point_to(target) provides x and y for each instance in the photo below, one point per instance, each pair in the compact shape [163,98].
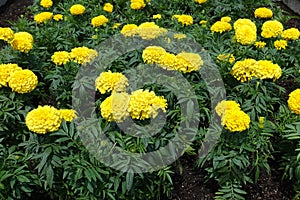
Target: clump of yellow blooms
[220,27]
[265,69]
[22,81]
[111,81]
[99,21]
[226,58]
[149,30]
[244,22]
[157,16]
[83,55]
[137,4]
[129,30]
[291,34]
[43,17]
[245,31]
[108,7]
[200,1]
[226,19]
[263,12]
[43,119]
[280,44]
[61,57]
[232,117]
[153,54]
[6,34]
[58,17]
[260,44]
[5,71]
[184,19]
[294,101]
[272,28]
[77,9]
[68,114]
[244,70]
[22,42]
[188,62]
[46,3]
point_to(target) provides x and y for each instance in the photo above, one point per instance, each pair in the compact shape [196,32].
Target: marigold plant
[77,9]
[111,81]
[294,101]
[22,42]
[22,81]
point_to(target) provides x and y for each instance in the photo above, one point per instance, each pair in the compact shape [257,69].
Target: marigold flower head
[280,44]
[291,34]
[260,44]
[220,27]
[188,62]
[111,81]
[6,34]
[294,101]
[245,35]
[184,19]
[263,12]
[46,3]
[149,30]
[83,55]
[5,71]
[271,28]
[244,70]
[226,58]
[226,19]
[43,119]
[153,54]
[77,9]
[58,17]
[43,17]
[168,61]
[200,1]
[22,41]
[68,114]
[137,4]
[61,57]
[226,106]
[236,121]
[22,81]
[265,69]
[157,16]
[99,21]
[244,22]
[129,30]
[108,7]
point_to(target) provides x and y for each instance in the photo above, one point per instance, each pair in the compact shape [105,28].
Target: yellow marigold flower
[294,101]
[46,3]
[149,30]
[261,122]
[260,44]
[265,69]
[289,34]
[188,62]
[111,81]
[226,19]
[99,21]
[22,41]
[115,107]
[5,71]
[226,106]
[58,17]
[83,55]
[116,25]
[226,58]
[236,121]
[6,34]
[263,12]
[137,4]
[108,7]
[145,104]
[244,70]
[200,1]
[153,54]
[184,19]
[68,114]
[179,36]
[168,61]
[77,9]
[244,22]
[220,27]
[61,57]
[272,28]
[129,30]
[43,17]
[22,81]
[157,16]
[245,35]
[43,119]
[280,44]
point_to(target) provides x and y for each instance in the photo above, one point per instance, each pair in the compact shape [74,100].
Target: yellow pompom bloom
[22,41]
[115,107]
[157,16]
[43,119]
[263,12]
[244,22]
[184,19]
[153,54]
[99,21]
[265,69]
[294,101]
[260,44]
[129,30]
[200,1]
[220,27]
[6,34]
[22,81]
[46,3]
[145,104]
[137,4]
[77,9]
[280,44]
[236,121]
[108,7]
[111,81]
[68,114]
[61,57]
[272,28]
[245,35]
[83,55]
[226,19]
[244,70]
[289,34]
[149,30]
[58,17]
[168,61]
[5,71]
[43,17]
[226,106]
[226,58]
[188,62]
